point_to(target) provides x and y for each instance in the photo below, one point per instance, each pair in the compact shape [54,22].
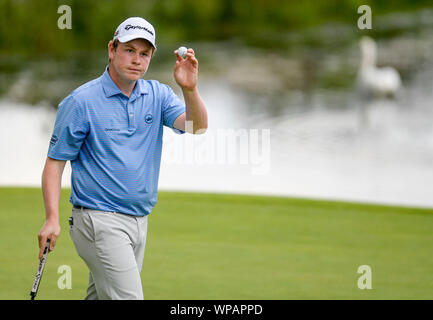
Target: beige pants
[112,245]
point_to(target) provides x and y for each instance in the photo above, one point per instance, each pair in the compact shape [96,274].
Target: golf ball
[182,52]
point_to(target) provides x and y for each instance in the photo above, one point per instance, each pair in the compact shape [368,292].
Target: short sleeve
[70,130]
[172,108]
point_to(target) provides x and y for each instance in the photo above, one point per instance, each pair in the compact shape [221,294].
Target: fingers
[50,231]
[178,57]
[43,244]
[193,59]
[53,241]
[190,54]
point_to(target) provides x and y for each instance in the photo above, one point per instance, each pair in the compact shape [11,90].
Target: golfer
[110,129]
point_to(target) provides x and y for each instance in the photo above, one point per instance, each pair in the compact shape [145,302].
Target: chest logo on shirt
[148,118]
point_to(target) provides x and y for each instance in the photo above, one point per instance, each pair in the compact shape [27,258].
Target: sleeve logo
[53,140]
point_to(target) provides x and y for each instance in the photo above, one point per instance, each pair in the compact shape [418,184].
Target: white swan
[373,81]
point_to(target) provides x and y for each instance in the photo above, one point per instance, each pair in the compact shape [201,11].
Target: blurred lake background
[284,66]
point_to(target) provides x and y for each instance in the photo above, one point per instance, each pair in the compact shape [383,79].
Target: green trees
[30,26]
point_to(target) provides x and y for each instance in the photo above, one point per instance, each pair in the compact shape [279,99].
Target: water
[324,141]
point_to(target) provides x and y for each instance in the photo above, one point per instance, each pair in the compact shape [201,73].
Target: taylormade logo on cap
[135,28]
[138,27]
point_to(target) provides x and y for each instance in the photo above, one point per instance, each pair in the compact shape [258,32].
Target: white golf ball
[182,52]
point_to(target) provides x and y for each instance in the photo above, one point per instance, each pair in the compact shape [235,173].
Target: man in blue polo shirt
[110,129]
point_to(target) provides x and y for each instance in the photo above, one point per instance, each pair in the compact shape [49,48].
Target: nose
[136,59]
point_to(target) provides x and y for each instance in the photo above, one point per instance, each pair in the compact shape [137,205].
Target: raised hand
[186,70]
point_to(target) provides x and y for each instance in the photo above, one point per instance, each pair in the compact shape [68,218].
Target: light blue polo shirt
[114,143]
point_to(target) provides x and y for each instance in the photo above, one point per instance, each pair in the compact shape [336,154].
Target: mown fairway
[206,246]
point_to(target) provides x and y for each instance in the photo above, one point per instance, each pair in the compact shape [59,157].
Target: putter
[39,272]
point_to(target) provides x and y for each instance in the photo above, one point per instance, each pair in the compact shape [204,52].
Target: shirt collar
[111,89]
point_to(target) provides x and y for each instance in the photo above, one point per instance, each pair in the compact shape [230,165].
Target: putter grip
[40,271]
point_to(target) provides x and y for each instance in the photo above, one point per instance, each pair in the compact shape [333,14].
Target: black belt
[81,207]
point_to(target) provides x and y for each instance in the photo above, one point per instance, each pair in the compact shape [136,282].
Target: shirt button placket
[131,118]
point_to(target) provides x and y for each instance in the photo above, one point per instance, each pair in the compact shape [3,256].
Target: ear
[111,50]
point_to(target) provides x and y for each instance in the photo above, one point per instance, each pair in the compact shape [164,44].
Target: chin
[135,77]
[132,77]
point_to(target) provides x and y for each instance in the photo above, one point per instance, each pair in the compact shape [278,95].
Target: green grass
[206,246]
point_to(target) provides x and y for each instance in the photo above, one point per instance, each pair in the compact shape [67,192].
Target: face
[131,59]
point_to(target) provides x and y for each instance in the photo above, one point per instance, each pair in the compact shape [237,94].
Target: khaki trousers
[112,245]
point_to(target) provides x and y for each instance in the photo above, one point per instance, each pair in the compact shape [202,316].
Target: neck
[125,86]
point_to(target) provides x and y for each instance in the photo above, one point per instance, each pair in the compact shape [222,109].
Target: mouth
[134,70]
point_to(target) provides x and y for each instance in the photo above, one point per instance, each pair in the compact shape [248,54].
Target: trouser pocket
[81,231]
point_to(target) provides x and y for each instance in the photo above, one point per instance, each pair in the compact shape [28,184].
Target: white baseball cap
[134,28]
